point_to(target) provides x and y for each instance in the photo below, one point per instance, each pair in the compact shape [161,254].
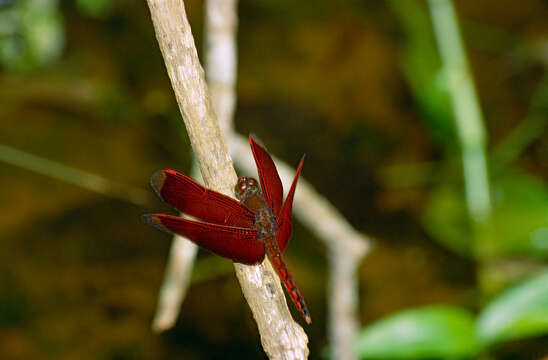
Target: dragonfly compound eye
[252,184]
[241,186]
[245,188]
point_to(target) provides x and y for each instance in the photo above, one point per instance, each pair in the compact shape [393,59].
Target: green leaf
[446,219]
[95,8]
[429,332]
[422,67]
[519,219]
[518,224]
[518,313]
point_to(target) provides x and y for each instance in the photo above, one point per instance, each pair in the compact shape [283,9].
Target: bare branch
[220,57]
[175,284]
[343,303]
[281,337]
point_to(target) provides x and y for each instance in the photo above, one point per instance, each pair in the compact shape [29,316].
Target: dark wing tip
[155,221]
[302,160]
[157,181]
[254,140]
[151,219]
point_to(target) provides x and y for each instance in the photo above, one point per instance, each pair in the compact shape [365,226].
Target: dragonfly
[243,231]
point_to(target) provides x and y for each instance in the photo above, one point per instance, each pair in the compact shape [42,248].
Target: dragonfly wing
[236,243]
[284,217]
[271,185]
[189,197]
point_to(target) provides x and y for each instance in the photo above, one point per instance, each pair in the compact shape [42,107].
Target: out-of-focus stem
[528,130]
[74,176]
[221,58]
[343,302]
[466,108]
[175,284]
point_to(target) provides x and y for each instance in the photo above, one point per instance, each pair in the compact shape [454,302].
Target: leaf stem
[466,108]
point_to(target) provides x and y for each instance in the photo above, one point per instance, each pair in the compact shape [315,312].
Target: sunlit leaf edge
[428,332]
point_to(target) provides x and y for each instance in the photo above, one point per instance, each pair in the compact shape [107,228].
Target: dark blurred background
[359,87]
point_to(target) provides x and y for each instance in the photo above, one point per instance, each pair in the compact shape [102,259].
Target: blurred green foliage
[95,8]
[453,333]
[518,198]
[517,225]
[520,202]
[421,65]
[32,34]
[446,218]
[517,313]
[430,332]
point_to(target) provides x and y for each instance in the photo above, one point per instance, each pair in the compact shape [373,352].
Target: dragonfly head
[246,187]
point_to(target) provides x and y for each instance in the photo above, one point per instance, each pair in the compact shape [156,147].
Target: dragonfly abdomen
[273,251]
[266,226]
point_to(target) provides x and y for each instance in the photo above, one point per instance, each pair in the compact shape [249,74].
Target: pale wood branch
[220,59]
[343,323]
[175,284]
[281,337]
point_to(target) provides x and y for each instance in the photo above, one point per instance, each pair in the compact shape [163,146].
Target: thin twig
[281,337]
[527,131]
[74,176]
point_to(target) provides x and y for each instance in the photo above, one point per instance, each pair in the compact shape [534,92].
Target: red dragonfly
[241,231]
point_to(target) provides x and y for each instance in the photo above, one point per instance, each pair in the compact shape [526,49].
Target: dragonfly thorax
[248,192]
